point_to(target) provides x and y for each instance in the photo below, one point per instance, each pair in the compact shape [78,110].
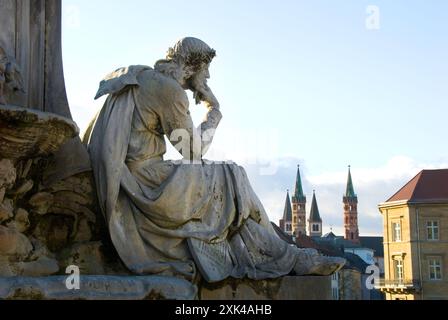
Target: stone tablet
[214,260]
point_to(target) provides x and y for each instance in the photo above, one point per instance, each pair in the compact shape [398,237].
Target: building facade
[415,222]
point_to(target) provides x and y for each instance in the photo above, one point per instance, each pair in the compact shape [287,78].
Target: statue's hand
[203,93]
[208,98]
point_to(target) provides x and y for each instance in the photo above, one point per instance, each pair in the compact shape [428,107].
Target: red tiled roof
[427,186]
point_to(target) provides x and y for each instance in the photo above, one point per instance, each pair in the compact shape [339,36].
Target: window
[295,219]
[398,268]
[316,227]
[288,227]
[432,230]
[435,269]
[396,231]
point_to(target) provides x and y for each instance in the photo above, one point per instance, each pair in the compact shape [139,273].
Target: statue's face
[198,81]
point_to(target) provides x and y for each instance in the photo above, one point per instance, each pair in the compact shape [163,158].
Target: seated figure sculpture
[175,217]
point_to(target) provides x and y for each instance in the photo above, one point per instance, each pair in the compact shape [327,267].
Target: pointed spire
[298,192]
[314,213]
[350,191]
[287,213]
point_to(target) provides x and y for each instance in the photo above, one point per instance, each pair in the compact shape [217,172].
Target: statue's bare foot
[310,262]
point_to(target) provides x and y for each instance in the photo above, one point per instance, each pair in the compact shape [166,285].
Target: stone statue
[174,217]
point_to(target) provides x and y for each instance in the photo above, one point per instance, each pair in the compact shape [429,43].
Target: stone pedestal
[164,288]
[98,288]
[286,288]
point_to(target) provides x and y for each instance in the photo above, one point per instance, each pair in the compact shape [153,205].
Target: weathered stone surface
[87,256]
[53,231]
[84,231]
[5,267]
[21,222]
[41,202]
[285,288]
[213,260]
[26,133]
[6,210]
[74,197]
[7,174]
[13,243]
[23,188]
[98,288]
[41,267]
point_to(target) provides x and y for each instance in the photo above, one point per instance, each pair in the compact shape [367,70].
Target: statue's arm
[208,127]
[203,94]
[178,125]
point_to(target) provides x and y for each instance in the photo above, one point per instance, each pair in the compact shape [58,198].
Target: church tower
[351,211]
[315,222]
[298,208]
[286,221]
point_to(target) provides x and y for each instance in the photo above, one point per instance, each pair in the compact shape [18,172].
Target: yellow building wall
[415,249]
[433,289]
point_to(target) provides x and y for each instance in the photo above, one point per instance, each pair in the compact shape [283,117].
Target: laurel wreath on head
[194,58]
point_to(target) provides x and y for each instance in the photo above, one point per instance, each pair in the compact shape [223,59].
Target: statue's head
[188,62]
[192,52]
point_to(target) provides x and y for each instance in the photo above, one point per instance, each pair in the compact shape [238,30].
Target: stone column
[30,32]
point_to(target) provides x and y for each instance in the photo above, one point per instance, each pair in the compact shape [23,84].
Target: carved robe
[164,216]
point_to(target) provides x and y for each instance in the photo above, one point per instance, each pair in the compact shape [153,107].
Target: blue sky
[298,81]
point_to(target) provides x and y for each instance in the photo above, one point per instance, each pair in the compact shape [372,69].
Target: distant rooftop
[332,245]
[329,235]
[375,243]
[314,212]
[427,186]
